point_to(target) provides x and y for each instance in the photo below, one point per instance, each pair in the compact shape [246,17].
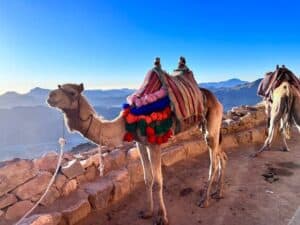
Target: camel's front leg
[160,209]
[148,178]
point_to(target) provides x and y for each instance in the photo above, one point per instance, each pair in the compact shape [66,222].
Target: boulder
[15,173]
[43,219]
[47,162]
[69,187]
[17,210]
[173,154]
[33,187]
[194,148]
[100,193]
[114,160]
[50,197]
[136,173]
[121,181]
[60,180]
[72,169]
[77,212]
[91,173]
[7,200]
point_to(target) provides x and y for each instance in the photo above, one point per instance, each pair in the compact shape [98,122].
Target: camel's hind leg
[148,178]
[221,175]
[159,205]
[212,137]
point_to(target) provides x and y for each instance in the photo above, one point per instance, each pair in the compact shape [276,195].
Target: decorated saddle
[273,79]
[164,105]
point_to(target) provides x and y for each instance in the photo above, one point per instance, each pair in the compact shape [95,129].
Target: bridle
[77,110]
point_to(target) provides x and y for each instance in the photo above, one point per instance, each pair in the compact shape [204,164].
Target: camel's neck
[90,125]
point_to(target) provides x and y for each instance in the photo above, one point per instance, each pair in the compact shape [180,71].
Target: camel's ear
[81,87]
[59,86]
[277,67]
[283,66]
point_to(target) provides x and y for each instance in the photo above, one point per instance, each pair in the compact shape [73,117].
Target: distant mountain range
[222,84]
[29,127]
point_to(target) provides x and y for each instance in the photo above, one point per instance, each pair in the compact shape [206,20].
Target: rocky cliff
[78,188]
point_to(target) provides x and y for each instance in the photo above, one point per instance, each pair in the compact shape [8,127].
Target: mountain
[222,84]
[243,94]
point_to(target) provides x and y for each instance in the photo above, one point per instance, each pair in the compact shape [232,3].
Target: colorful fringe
[153,120]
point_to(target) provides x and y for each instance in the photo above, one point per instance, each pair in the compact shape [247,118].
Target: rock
[121,181]
[72,169]
[259,135]
[114,160]
[195,148]
[17,210]
[229,141]
[95,159]
[86,162]
[69,187]
[100,193]
[51,196]
[81,179]
[43,219]
[1,213]
[14,173]
[244,137]
[60,180]
[136,173]
[77,212]
[47,162]
[133,154]
[173,154]
[91,173]
[7,200]
[33,187]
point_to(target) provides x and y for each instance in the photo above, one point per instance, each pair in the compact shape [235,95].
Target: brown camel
[283,112]
[81,117]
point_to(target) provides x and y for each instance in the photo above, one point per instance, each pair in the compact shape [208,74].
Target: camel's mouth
[52,103]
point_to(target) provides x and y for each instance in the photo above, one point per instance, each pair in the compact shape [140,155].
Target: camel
[283,111]
[81,117]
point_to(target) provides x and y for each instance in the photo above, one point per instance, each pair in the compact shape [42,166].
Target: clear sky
[112,44]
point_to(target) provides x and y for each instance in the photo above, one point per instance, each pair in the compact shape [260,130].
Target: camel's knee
[210,141]
[157,186]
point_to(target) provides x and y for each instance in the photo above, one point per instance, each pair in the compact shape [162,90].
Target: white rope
[101,164]
[62,143]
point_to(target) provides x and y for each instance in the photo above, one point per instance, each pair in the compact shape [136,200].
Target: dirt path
[249,198]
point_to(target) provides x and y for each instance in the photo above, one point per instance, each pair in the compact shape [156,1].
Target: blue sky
[112,44]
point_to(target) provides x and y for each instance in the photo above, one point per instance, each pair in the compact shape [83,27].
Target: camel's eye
[72,93]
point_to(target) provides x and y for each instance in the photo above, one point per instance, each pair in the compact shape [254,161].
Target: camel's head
[66,96]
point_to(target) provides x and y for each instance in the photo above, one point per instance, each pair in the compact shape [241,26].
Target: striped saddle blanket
[183,91]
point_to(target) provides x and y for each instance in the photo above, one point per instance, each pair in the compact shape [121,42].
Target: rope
[101,164]
[62,143]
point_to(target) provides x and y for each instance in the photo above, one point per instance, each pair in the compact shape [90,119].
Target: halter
[71,98]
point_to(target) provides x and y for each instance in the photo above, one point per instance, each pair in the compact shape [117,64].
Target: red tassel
[159,140]
[128,137]
[150,131]
[151,139]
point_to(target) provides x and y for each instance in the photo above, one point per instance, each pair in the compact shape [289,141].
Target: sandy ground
[249,198]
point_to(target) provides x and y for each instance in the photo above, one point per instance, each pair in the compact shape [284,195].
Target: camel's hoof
[161,221]
[203,203]
[254,155]
[284,149]
[217,195]
[145,215]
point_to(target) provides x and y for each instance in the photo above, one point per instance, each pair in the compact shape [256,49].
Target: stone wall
[78,188]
